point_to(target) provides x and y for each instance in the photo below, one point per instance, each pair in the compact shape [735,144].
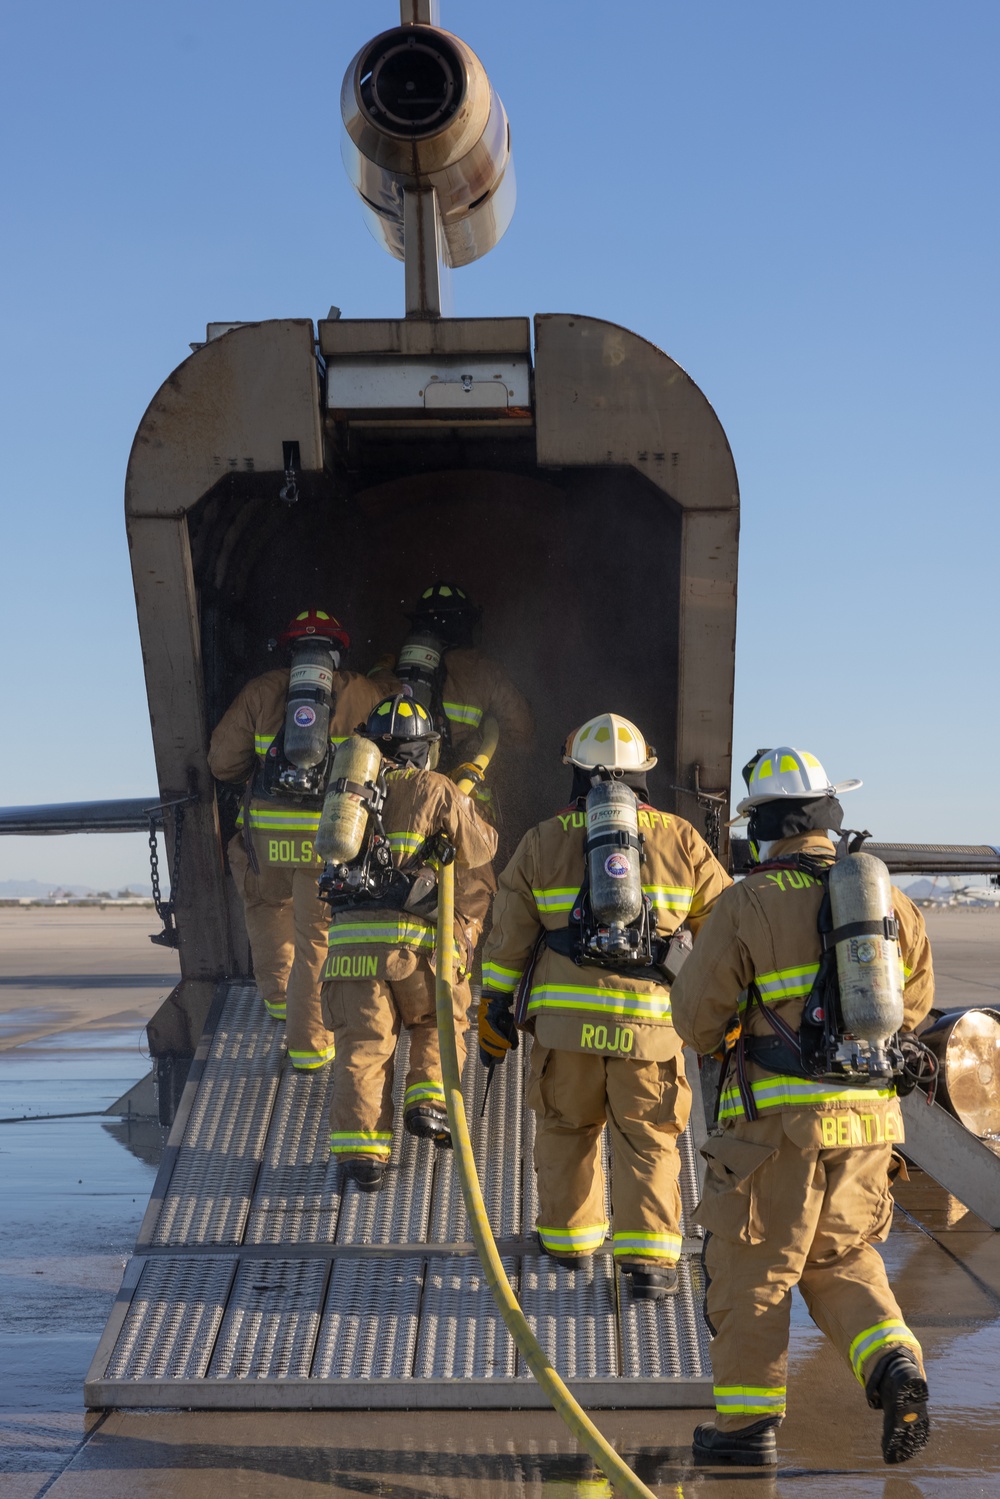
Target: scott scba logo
[595,1038]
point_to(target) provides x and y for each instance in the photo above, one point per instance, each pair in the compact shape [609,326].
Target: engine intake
[420,113]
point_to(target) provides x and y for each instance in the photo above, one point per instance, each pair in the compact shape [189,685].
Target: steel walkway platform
[258,1281]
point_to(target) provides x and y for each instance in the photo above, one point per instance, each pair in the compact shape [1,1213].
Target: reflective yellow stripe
[649,1006]
[262,742]
[361,1142]
[787,983]
[663,1246]
[396,932]
[675,898]
[424,1092]
[281,821]
[795,983]
[749,1400]
[793,1092]
[874,1338]
[308,1061]
[403,844]
[556,899]
[504,980]
[578,1240]
[464,713]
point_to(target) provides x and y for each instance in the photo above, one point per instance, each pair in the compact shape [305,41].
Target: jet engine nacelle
[420,112]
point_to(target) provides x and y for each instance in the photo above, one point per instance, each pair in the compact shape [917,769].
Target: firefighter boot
[652,1282]
[428,1123]
[364,1171]
[898,1389]
[753,1447]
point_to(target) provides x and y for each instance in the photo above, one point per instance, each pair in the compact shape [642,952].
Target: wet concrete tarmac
[966,946]
[75,1190]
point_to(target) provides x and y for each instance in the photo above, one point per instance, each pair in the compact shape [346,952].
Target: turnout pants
[366,1016]
[645,1106]
[782,1213]
[287,925]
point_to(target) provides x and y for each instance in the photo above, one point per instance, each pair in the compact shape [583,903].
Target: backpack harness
[372,881]
[814,1050]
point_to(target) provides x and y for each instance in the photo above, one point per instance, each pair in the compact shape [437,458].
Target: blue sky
[797,202]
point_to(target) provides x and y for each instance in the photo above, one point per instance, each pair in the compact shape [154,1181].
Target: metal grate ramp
[259,1282]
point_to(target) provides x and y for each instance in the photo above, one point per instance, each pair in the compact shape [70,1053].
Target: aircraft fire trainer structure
[285,461]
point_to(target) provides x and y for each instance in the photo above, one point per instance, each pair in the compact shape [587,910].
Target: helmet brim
[749,802]
[430,738]
[333,638]
[587,765]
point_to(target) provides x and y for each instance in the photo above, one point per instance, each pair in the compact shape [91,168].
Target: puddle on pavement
[484,1455]
[30,1018]
[116,1033]
[75,1192]
[87,981]
[73,1071]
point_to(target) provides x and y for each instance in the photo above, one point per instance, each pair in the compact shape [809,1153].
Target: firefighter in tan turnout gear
[457,684]
[380,973]
[298,710]
[581,924]
[797,1188]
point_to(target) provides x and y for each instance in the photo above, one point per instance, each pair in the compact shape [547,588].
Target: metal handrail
[122,815]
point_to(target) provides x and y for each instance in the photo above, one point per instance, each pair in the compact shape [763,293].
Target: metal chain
[712,808]
[713,823]
[166,909]
[154,868]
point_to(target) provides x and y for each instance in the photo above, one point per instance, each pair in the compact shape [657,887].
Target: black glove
[497,1031]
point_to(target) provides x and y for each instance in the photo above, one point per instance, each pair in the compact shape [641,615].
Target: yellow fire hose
[618,1472]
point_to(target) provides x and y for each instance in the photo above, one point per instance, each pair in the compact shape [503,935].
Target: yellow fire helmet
[610,741]
[789,772]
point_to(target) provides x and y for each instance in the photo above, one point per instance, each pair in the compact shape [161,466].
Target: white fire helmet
[610,741]
[789,772]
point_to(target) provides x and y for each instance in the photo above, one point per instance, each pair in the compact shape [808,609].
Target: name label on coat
[605,1039]
[636,1042]
[343,965]
[861,1129]
[287,852]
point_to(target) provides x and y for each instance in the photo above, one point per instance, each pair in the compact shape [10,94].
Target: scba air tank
[613,854]
[345,811]
[869,973]
[419,664]
[307,711]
